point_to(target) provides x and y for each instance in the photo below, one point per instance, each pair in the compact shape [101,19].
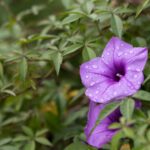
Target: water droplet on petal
[130,51]
[92,83]
[97,92]
[86,76]
[94,66]
[115,93]
[86,67]
[135,76]
[119,54]
[117,47]
[90,95]
[138,69]
[129,68]
[108,53]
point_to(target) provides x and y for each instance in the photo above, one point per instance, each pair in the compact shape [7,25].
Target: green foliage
[42,44]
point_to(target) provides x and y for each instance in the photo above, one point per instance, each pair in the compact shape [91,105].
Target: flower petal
[101,135]
[96,92]
[119,90]
[135,79]
[93,72]
[138,60]
[115,50]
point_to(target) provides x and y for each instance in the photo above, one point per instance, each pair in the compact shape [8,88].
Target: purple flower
[102,134]
[115,75]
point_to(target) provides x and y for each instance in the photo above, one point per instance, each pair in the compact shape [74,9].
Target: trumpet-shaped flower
[102,134]
[116,74]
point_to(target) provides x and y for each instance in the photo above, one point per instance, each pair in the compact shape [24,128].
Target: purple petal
[101,135]
[93,72]
[116,50]
[135,79]
[117,74]
[96,92]
[138,60]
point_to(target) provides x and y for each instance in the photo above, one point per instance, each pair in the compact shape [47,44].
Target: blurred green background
[42,44]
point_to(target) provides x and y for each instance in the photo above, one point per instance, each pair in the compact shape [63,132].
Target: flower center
[119,72]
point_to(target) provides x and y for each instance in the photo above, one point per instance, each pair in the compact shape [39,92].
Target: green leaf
[44,141]
[115,125]
[57,60]
[9,148]
[108,109]
[141,7]
[116,25]
[28,131]
[41,132]
[142,95]
[115,140]
[5,141]
[23,67]
[147,79]
[20,138]
[88,54]
[127,108]
[9,92]
[1,70]
[71,18]
[88,7]
[77,146]
[128,132]
[30,146]
[71,49]
[67,3]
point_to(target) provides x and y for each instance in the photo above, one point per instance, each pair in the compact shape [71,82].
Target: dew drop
[108,53]
[86,67]
[135,76]
[117,47]
[97,92]
[130,51]
[86,76]
[92,83]
[115,93]
[119,54]
[138,69]
[129,68]
[89,94]
[94,66]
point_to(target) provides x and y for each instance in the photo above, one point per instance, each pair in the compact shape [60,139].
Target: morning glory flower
[102,134]
[116,74]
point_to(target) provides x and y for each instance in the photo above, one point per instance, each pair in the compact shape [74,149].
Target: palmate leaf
[77,146]
[88,53]
[115,140]
[43,141]
[71,18]
[142,7]
[1,71]
[57,60]
[30,146]
[116,25]
[127,108]
[142,95]
[23,67]
[71,49]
